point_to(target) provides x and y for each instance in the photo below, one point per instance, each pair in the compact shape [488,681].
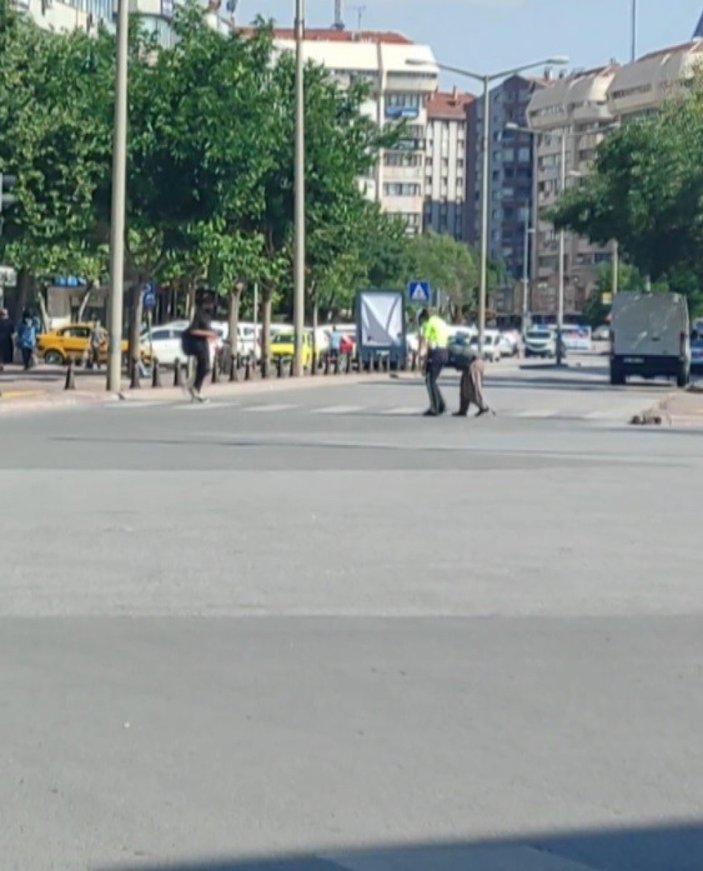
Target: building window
[401,189]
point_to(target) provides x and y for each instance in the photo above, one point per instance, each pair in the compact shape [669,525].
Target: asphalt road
[315,630]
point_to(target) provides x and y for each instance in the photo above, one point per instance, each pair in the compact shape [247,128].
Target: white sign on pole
[381,319]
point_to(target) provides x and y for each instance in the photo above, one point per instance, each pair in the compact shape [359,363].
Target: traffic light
[7,183]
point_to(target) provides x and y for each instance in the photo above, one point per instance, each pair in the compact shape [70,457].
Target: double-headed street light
[486,81]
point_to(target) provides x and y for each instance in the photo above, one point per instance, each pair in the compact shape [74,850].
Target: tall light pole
[633,25]
[529,231]
[117,221]
[299,257]
[562,254]
[486,81]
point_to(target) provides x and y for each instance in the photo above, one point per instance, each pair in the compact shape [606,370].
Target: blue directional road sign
[149,299]
[419,291]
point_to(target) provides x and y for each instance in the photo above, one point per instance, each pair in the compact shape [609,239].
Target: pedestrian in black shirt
[196,344]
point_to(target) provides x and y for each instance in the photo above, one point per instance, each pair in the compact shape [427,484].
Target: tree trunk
[315,319]
[46,320]
[266,302]
[135,328]
[84,303]
[235,298]
[24,291]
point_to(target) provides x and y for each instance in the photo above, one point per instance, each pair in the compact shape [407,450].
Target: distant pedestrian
[434,342]
[27,330]
[196,343]
[97,340]
[6,345]
[335,343]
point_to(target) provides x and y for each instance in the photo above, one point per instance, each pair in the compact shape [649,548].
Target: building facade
[446,163]
[510,181]
[572,109]
[403,77]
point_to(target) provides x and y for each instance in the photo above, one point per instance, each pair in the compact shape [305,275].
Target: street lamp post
[529,231]
[299,256]
[562,255]
[117,222]
[486,81]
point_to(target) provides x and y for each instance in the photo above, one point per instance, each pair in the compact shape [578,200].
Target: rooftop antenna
[359,16]
[338,20]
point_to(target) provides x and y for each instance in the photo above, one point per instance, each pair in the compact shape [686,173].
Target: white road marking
[402,411]
[269,409]
[137,403]
[541,413]
[202,406]
[338,409]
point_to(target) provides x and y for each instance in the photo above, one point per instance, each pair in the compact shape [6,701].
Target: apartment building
[576,108]
[446,162]
[640,88]
[510,173]
[403,78]
[63,16]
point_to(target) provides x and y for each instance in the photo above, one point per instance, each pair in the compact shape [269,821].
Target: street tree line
[210,194]
[646,191]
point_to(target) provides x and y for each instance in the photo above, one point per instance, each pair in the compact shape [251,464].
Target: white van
[650,337]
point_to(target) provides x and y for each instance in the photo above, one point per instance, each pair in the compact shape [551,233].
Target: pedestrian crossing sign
[419,291]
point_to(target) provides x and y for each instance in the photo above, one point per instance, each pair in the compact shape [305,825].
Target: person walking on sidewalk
[6,345]
[97,340]
[27,330]
[196,343]
[434,341]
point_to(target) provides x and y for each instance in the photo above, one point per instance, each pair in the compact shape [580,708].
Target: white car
[509,343]
[540,343]
[164,342]
[491,345]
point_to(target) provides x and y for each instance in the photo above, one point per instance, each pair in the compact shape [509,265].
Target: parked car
[509,343]
[540,343]
[165,342]
[283,346]
[651,337]
[491,345]
[601,334]
[70,342]
[697,353]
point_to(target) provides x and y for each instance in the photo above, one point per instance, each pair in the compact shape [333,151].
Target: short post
[134,381]
[70,376]
[292,367]
[336,365]
[177,373]
[247,370]
[327,364]
[216,370]
[155,373]
[313,365]
[349,364]
[279,367]
[233,369]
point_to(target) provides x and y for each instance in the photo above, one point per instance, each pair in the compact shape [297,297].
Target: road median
[681,409]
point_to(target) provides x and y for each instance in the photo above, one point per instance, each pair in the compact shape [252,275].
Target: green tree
[450,266]
[646,191]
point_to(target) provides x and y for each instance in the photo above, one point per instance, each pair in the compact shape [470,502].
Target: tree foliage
[646,191]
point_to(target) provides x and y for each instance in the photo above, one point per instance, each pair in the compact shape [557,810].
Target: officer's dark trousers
[436,361]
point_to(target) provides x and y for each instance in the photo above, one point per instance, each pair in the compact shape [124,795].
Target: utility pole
[299,265]
[633,46]
[562,254]
[485,192]
[117,223]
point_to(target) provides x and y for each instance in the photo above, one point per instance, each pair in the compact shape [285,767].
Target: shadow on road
[673,847]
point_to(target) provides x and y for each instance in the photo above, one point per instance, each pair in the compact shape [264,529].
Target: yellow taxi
[71,342]
[283,345]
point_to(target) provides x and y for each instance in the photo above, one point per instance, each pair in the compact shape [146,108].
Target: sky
[491,35]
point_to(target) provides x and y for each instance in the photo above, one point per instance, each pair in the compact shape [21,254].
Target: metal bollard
[215,372]
[279,367]
[70,377]
[348,364]
[414,362]
[155,373]
[177,373]
[247,370]
[327,364]
[386,363]
[336,365]
[313,364]
[291,369]
[233,369]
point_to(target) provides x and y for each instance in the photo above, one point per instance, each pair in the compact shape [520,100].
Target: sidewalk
[43,388]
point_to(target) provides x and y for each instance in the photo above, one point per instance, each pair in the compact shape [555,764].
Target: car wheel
[54,358]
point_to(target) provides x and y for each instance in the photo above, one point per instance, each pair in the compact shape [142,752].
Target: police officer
[434,340]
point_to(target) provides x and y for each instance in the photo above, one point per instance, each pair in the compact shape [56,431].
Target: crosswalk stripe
[269,409]
[402,411]
[202,406]
[135,403]
[339,409]
[541,413]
